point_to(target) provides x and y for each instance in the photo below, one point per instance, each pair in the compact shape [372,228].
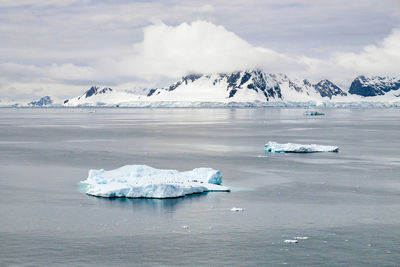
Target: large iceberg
[141,181]
[298,148]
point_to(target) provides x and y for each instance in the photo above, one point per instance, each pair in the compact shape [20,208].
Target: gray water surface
[346,203]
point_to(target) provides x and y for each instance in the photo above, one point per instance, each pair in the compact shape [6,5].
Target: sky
[61,48]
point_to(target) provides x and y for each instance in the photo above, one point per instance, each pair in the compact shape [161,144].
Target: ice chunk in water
[141,181]
[298,148]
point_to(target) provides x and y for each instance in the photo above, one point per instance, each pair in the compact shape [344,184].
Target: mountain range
[241,88]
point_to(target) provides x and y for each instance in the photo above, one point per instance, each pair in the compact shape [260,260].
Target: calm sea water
[346,203]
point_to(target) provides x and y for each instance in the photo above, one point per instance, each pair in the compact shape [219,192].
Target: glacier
[298,148]
[141,181]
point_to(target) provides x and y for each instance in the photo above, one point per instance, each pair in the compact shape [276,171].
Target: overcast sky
[60,48]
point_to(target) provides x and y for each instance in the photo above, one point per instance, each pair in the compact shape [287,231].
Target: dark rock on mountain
[94,90]
[44,101]
[253,80]
[151,92]
[184,80]
[373,86]
[328,89]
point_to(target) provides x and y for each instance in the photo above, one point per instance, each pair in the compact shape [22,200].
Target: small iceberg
[292,241]
[301,237]
[141,181]
[298,148]
[313,113]
[236,209]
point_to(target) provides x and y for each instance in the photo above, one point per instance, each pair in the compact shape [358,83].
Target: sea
[343,209]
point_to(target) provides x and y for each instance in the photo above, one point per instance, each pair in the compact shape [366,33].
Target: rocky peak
[184,80]
[44,101]
[94,90]
[327,88]
[374,85]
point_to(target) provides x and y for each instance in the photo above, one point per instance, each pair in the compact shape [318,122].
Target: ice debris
[141,181]
[313,113]
[292,241]
[301,237]
[236,209]
[298,148]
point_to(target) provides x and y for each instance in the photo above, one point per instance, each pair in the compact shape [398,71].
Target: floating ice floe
[313,113]
[301,237]
[298,148]
[236,209]
[291,241]
[141,181]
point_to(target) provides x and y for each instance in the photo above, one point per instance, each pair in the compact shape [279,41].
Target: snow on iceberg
[141,181]
[298,148]
[301,238]
[236,209]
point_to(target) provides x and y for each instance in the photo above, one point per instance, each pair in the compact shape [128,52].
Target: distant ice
[313,113]
[237,209]
[301,237]
[89,140]
[17,142]
[141,181]
[298,148]
[291,241]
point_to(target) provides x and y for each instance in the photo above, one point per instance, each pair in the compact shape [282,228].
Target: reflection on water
[147,205]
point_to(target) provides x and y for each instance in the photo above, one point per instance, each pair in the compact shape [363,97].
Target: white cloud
[168,52]
[199,47]
[203,47]
[54,72]
[70,72]
[381,59]
[28,91]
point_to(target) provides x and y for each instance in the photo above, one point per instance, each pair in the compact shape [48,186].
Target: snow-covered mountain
[101,97]
[374,86]
[243,88]
[42,102]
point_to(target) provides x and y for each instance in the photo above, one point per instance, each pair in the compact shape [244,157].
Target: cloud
[199,47]
[167,52]
[380,59]
[54,72]
[164,54]
[70,72]
[203,47]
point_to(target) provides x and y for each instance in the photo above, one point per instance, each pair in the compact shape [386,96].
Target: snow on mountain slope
[101,97]
[242,88]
